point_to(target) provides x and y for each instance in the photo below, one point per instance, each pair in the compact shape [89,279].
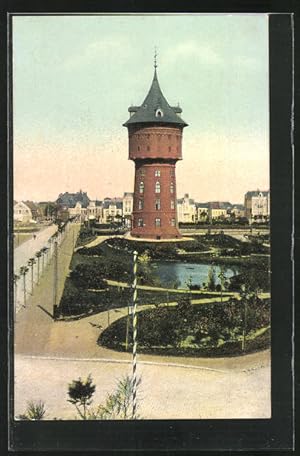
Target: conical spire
[155,108]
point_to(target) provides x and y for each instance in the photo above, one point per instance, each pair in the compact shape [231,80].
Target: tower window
[157,187]
[140,222]
[172,187]
[172,204]
[141,204]
[157,173]
[142,186]
[159,113]
[157,204]
[173,222]
[157,222]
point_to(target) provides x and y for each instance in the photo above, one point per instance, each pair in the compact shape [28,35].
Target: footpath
[34,323]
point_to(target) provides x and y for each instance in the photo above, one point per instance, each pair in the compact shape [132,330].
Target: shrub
[35,411]
[88,276]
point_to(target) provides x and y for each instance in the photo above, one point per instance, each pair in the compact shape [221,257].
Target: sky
[74,78]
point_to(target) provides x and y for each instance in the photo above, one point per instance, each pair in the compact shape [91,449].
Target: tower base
[173,233]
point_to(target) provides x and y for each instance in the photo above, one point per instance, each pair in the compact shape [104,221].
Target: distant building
[70,199]
[257,205]
[202,212]
[112,210]
[218,210]
[26,212]
[186,209]
[237,211]
[127,208]
[22,212]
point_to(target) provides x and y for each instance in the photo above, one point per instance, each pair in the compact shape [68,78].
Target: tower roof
[155,108]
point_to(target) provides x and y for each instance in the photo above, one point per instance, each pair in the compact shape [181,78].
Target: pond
[182,274]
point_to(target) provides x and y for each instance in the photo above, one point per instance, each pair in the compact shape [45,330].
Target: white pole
[134,344]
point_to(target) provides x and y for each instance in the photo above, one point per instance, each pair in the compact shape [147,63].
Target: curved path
[49,355]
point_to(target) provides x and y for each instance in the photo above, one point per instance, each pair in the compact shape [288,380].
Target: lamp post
[244,296]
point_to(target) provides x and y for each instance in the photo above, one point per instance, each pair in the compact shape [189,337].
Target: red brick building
[155,138]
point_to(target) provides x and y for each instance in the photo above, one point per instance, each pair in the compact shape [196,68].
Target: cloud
[204,53]
[100,49]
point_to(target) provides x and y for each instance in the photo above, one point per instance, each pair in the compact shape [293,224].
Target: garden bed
[208,330]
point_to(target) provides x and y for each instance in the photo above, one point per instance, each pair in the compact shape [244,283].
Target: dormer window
[159,113]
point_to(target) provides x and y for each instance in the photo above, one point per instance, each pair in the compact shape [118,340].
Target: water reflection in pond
[180,273]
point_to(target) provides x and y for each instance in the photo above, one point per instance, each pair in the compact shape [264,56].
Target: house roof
[181,200]
[219,205]
[202,205]
[256,193]
[155,109]
[32,206]
[70,199]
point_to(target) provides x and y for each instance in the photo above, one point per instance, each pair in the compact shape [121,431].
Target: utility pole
[55,278]
[134,342]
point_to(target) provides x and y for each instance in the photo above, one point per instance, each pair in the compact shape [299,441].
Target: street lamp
[244,296]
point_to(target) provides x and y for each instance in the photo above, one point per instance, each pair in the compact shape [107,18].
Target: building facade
[257,205]
[186,210]
[155,141]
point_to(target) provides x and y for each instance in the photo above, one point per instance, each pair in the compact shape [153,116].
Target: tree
[23,272]
[80,393]
[31,263]
[35,411]
[118,405]
[43,251]
[211,279]
[38,256]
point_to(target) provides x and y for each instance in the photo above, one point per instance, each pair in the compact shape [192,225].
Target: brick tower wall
[155,151]
[154,205]
[155,142]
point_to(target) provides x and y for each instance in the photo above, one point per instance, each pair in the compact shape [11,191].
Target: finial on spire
[155,57]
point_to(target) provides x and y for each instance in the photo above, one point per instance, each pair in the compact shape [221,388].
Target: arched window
[157,222]
[157,173]
[142,186]
[141,204]
[172,204]
[157,204]
[140,222]
[172,187]
[159,113]
[157,187]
